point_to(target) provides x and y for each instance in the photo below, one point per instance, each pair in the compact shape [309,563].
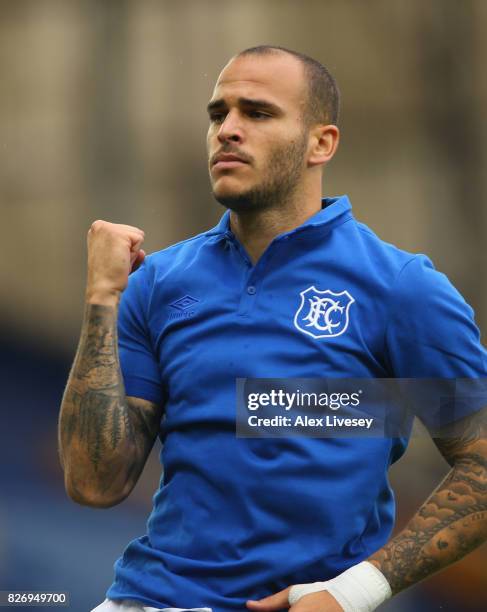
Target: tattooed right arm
[104,437]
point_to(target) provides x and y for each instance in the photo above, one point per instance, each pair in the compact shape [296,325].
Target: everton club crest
[323,314]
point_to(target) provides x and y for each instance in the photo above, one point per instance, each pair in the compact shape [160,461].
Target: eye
[217,117]
[256,114]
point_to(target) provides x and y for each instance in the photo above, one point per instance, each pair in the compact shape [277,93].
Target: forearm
[102,438]
[451,523]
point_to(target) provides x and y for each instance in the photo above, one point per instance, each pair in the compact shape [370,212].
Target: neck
[257,229]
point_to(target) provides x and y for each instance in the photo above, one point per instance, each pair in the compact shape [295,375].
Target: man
[239,523]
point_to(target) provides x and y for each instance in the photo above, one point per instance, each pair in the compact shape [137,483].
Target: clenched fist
[113,252]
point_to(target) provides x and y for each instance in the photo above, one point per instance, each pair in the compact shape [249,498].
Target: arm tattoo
[104,437]
[453,521]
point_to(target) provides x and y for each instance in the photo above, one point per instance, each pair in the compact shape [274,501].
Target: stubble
[283,173]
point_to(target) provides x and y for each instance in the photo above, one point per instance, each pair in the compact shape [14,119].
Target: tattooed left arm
[453,521]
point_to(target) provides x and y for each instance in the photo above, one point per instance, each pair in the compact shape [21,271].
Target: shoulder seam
[389,307]
[363,228]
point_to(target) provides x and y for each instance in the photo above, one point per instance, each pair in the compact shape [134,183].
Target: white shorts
[130,605]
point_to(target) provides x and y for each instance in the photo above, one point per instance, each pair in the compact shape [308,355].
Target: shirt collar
[332,209]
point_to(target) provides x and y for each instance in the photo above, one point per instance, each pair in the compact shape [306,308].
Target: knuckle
[97,225]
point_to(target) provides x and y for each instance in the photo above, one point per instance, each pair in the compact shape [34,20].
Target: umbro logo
[183,307]
[184,303]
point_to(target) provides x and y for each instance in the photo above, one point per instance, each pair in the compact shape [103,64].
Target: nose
[230,130]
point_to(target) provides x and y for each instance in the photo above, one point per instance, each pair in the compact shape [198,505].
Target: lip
[226,164]
[228,160]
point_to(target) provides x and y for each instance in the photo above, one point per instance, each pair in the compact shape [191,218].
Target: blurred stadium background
[102,114]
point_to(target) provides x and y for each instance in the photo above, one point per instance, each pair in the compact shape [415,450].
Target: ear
[324,143]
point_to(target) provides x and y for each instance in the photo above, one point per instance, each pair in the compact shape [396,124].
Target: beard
[283,172]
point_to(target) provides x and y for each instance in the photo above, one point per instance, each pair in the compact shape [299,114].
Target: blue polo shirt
[234,518]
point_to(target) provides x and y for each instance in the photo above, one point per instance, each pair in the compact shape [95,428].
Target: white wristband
[361,588]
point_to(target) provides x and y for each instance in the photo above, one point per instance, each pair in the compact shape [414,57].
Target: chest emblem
[323,314]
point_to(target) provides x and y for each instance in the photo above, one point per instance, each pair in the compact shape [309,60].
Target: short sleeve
[137,359]
[431,332]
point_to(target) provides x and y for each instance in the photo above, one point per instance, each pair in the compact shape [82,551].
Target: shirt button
[251,290]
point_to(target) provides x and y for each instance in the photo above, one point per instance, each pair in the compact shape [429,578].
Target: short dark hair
[323,95]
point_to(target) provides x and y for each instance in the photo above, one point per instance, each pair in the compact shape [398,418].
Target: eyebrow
[247,103]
